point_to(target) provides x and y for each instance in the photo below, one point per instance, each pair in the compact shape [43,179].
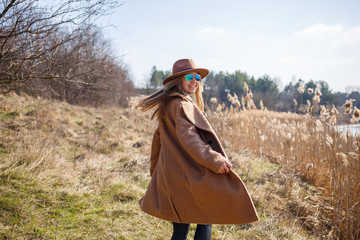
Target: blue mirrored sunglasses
[189,77]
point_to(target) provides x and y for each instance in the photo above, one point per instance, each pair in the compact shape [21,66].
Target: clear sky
[286,39]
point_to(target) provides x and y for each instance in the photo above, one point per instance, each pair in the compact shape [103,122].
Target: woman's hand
[225,168]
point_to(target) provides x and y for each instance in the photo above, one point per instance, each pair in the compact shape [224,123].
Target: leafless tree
[104,78]
[55,47]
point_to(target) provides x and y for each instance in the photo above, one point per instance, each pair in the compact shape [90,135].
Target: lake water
[354,128]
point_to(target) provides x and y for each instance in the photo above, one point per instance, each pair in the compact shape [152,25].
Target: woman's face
[190,86]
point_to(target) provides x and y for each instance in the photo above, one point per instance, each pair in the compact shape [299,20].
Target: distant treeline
[265,88]
[54,49]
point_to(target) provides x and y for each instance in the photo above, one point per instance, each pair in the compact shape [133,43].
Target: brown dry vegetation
[316,151]
[71,172]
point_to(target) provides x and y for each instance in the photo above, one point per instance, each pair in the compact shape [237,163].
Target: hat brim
[202,71]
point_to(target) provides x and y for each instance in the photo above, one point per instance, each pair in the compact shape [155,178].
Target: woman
[191,177]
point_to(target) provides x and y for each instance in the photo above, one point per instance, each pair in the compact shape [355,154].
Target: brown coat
[185,158]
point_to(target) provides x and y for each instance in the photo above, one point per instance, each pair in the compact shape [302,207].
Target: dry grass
[70,172]
[316,152]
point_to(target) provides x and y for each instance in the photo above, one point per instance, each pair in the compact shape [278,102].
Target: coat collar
[193,113]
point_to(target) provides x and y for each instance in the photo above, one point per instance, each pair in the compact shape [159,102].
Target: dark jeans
[181,230]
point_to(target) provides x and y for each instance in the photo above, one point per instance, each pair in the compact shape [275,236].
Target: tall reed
[310,144]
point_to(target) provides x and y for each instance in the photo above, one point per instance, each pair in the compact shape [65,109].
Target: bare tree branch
[7,8]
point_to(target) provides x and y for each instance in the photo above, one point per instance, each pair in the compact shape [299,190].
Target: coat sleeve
[193,144]
[155,151]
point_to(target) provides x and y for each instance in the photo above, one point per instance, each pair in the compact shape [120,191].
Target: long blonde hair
[160,98]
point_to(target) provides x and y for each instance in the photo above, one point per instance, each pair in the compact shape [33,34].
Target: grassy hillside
[71,172]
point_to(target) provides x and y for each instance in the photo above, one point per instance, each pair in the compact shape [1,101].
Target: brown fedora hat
[184,66]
